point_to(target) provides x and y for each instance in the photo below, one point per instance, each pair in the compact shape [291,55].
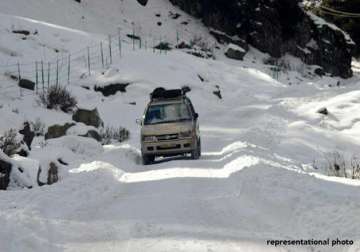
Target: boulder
[27,84]
[5,170]
[93,134]
[235,52]
[23,32]
[112,89]
[52,174]
[88,117]
[223,38]
[57,131]
[323,111]
[142,2]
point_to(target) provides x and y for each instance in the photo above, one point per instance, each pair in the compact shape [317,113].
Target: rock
[132,36]
[23,32]
[88,117]
[57,131]
[27,84]
[319,71]
[93,134]
[323,111]
[235,52]
[5,170]
[142,2]
[163,46]
[112,89]
[53,174]
[183,45]
[28,134]
[223,38]
[275,27]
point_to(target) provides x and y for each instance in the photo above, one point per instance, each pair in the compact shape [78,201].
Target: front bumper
[164,148]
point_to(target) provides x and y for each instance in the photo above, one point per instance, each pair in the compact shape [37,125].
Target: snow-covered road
[262,174]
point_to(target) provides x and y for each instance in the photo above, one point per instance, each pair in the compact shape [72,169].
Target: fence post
[133,33]
[57,72]
[42,76]
[19,78]
[119,34]
[177,37]
[48,84]
[110,50]
[154,50]
[36,76]
[69,68]
[88,56]
[102,54]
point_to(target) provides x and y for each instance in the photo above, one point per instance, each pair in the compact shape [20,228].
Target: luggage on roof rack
[161,93]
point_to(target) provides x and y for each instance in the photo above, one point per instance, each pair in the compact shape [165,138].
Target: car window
[164,113]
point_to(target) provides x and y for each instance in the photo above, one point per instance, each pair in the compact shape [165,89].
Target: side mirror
[139,122]
[196,116]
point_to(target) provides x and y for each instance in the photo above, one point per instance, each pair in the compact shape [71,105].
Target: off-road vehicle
[169,126]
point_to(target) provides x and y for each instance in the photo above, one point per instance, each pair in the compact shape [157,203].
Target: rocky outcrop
[112,89]
[88,117]
[93,134]
[27,84]
[56,131]
[5,169]
[235,52]
[275,27]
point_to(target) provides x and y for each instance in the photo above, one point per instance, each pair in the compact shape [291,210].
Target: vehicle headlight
[149,138]
[185,134]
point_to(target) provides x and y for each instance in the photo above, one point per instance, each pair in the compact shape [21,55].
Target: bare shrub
[110,134]
[38,127]
[198,41]
[336,165]
[58,97]
[355,167]
[9,143]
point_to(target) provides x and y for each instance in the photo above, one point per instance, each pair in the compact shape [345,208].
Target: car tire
[196,153]
[199,148]
[148,159]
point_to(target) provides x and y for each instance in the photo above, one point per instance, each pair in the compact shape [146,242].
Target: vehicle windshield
[166,113]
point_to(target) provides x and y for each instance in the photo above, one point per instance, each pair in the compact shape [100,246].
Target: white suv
[170,126]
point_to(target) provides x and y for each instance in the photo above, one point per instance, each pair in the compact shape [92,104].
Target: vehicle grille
[168,137]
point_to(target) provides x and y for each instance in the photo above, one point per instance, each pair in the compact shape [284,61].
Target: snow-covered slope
[265,148]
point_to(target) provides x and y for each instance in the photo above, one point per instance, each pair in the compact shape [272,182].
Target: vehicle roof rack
[163,94]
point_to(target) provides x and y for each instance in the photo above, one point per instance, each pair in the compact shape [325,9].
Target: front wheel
[147,159]
[196,153]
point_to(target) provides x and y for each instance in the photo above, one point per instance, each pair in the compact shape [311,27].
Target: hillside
[266,168]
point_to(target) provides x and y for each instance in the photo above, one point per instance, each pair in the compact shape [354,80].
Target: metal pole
[110,50]
[19,78]
[133,38]
[57,72]
[36,76]
[102,54]
[69,68]
[48,84]
[42,76]
[88,53]
[119,34]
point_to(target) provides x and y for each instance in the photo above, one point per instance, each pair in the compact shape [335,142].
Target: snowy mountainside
[263,173]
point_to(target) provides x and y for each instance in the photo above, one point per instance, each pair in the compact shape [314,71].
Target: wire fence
[39,75]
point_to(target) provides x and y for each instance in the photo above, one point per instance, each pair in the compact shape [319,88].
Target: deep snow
[255,181]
